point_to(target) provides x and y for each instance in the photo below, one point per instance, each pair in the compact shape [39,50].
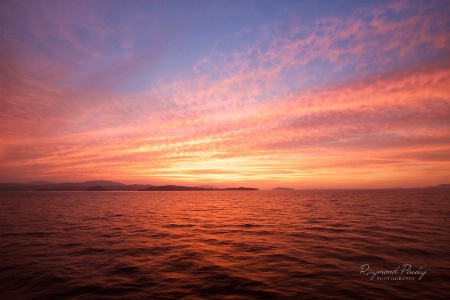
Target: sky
[300,94]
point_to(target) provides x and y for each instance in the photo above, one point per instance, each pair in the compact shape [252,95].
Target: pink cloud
[235,116]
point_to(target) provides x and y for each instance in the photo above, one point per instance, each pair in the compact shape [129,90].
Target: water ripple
[230,245]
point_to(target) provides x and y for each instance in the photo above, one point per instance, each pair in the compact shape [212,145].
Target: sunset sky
[300,94]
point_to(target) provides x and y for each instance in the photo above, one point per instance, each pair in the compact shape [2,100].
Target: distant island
[439,187]
[283,189]
[104,185]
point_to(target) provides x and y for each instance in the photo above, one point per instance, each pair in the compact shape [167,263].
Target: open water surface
[225,245]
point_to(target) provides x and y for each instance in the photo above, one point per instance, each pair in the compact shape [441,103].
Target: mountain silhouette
[439,187]
[102,185]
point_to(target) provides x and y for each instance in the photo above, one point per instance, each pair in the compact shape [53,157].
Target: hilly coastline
[439,187]
[104,185]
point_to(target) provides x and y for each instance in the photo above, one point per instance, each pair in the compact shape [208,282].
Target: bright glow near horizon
[326,94]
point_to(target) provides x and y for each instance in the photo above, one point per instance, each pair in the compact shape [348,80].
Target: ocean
[330,244]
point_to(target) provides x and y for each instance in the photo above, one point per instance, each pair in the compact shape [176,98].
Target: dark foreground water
[225,245]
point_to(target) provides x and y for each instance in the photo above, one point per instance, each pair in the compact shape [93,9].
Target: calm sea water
[225,245]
